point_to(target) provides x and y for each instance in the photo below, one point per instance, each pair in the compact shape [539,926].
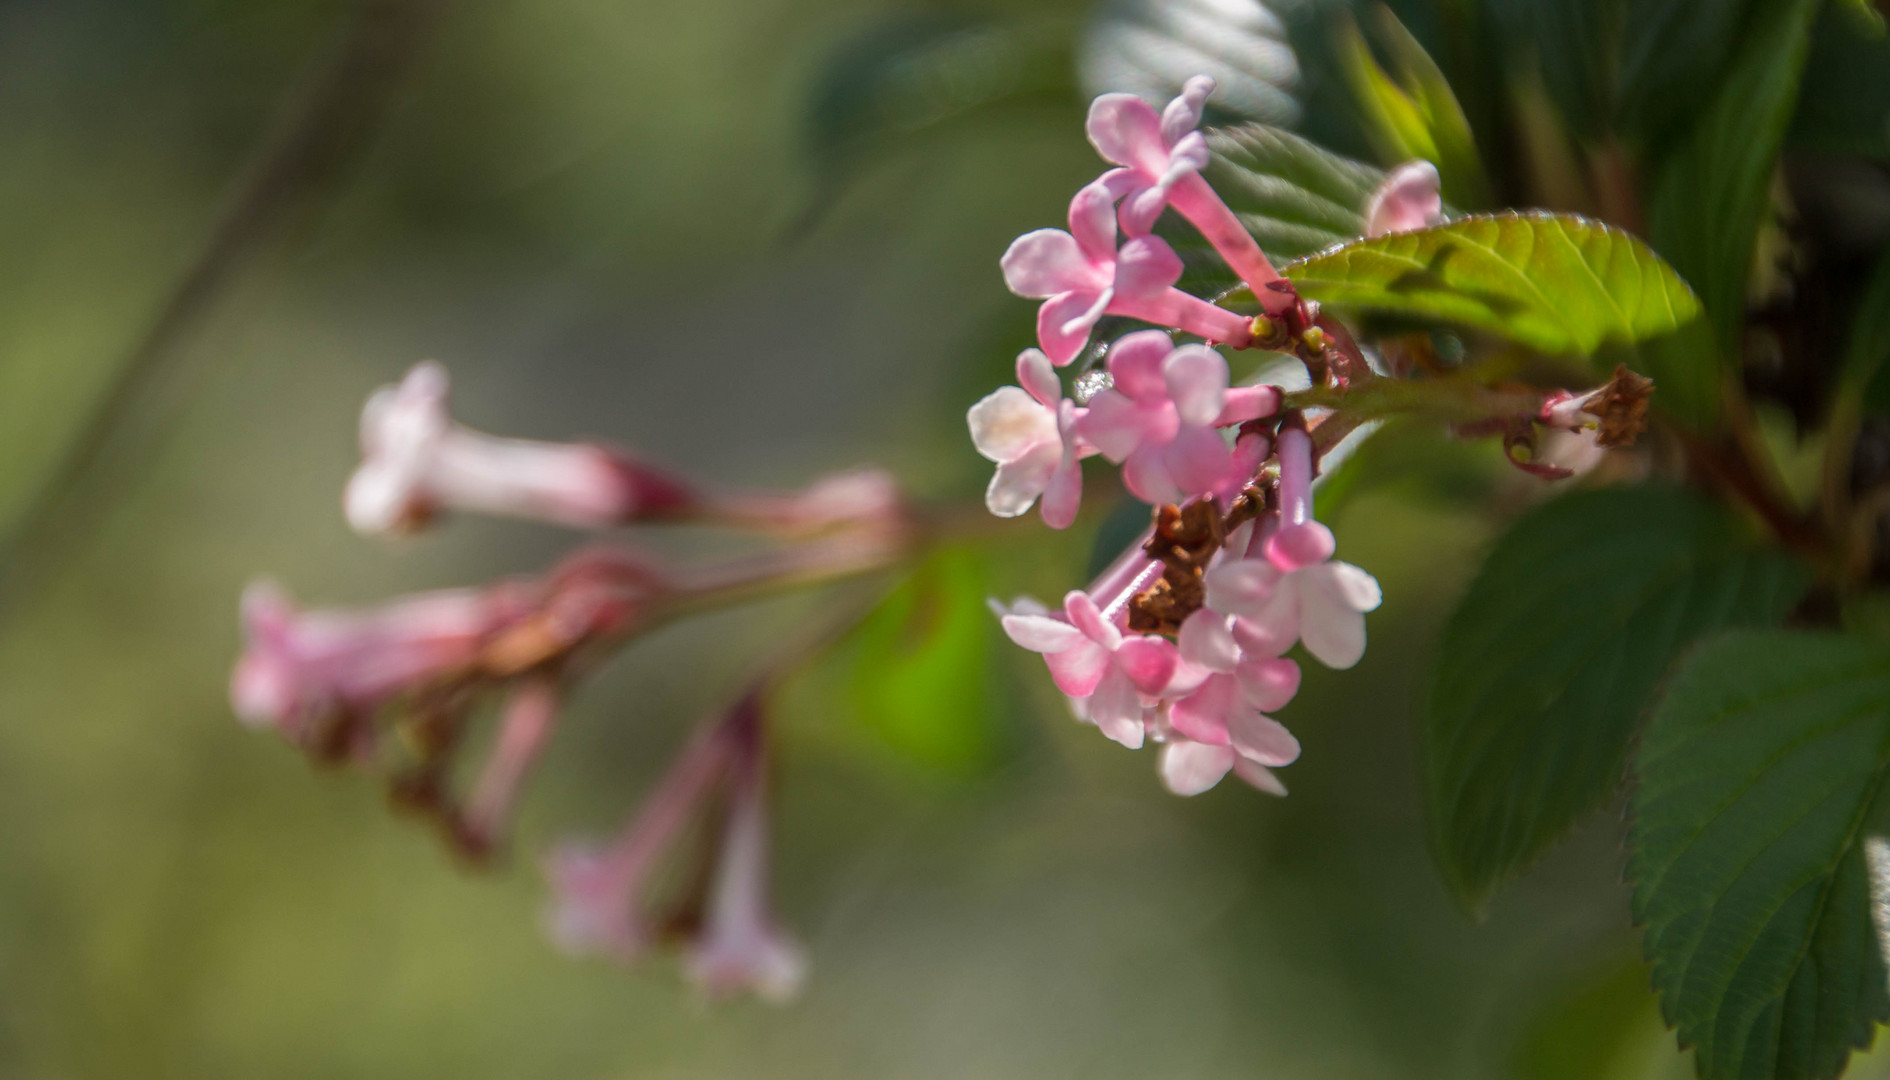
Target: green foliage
[1294,197]
[1548,665]
[1762,771]
[919,667]
[1152,47]
[1416,115]
[1713,193]
[1844,104]
[1559,284]
[1867,366]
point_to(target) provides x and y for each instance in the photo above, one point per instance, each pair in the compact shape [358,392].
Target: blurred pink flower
[1407,199]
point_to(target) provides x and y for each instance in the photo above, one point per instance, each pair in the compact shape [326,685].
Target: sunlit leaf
[1416,116]
[1548,666]
[1762,771]
[1152,47]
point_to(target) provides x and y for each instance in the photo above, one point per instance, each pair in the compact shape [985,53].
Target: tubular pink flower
[1081,276]
[1162,157]
[1407,199]
[416,462]
[741,948]
[1031,433]
[530,714]
[300,667]
[598,891]
[1090,659]
[1159,419]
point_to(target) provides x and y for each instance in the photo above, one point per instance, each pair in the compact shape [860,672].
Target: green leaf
[1417,116]
[1548,665]
[1867,364]
[1556,283]
[1152,47]
[1844,102]
[1294,197]
[1713,193]
[918,667]
[1762,770]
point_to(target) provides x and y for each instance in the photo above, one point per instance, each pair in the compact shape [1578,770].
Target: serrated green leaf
[1713,192]
[1548,665]
[1557,283]
[1761,772]
[1293,196]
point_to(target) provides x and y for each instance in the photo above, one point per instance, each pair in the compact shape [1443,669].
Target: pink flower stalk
[598,892]
[1159,419]
[1081,277]
[859,497]
[1408,198]
[416,462]
[1295,590]
[741,947]
[1162,157]
[1029,430]
[530,714]
[1093,661]
[300,667]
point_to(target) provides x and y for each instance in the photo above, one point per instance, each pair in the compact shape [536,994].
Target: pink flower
[1159,420]
[1092,660]
[1190,768]
[1295,590]
[1030,433]
[1408,199]
[416,462]
[1162,158]
[1081,277]
[299,668]
[741,948]
[529,716]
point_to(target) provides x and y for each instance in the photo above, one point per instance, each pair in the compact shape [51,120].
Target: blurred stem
[322,132]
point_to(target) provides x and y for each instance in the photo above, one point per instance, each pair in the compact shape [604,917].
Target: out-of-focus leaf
[1410,452]
[1550,662]
[1761,772]
[1714,191]
[1416,116]
[1844,100]
[1151,47]
[912,72]
[1556,283]
[1867,367]
[1294,197]
[1567,42]
[1607,1027]
[919,667]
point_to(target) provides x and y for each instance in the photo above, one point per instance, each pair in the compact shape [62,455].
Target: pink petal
[1198,460]
[1064,492]
[1202,716]
[1257,775]
[1077,670]
[1262,738]
[1268,684]
[1250,452]
[1296,547]
[1243,403]
[1007,422]
[1064,322]
[1093,221]
[1145,474]
[1149,662]
[1242,586]
[1358,589]
[1274,630]
[1113,425]
[1042,633]
[1196,378]
[1146,267]
[1116,709]
[1142,209]
[1190,768]
[1016,484]
[1039,379]
[1207,641]
[1189,154]
[1183,114]
[1047,262]
[1407,199]
[1125,130]
[1135,364]
[1083,613]
[1331,629]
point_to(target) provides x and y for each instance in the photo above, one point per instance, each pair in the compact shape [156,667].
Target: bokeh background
[650,223]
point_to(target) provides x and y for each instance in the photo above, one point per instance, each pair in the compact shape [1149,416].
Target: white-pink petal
[1047,262]
[1190,768]
[1042,633]
[1007,422]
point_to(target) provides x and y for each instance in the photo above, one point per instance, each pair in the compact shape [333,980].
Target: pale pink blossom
[1115,675]
[1159,420]
[416,462]
[1081,276]
[1407,199]
[1190,768]
[1162,156]
[1221,695]
[740,946]
[1030,431]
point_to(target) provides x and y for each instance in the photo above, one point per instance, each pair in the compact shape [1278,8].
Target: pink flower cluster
[1207,666]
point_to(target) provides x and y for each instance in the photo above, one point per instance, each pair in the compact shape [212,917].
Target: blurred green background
[602,215]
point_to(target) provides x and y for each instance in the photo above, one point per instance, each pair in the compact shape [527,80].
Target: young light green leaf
[1548,665]
[1557,283]
[1762,770]
[1713,193]
[1417,116]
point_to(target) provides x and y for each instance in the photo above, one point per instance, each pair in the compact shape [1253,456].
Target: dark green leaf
[1762,769]
[1152,47]
[1867,366]
[1294,197]
[1548,665]
[1713,193]
[1559,284]
[1844,103]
